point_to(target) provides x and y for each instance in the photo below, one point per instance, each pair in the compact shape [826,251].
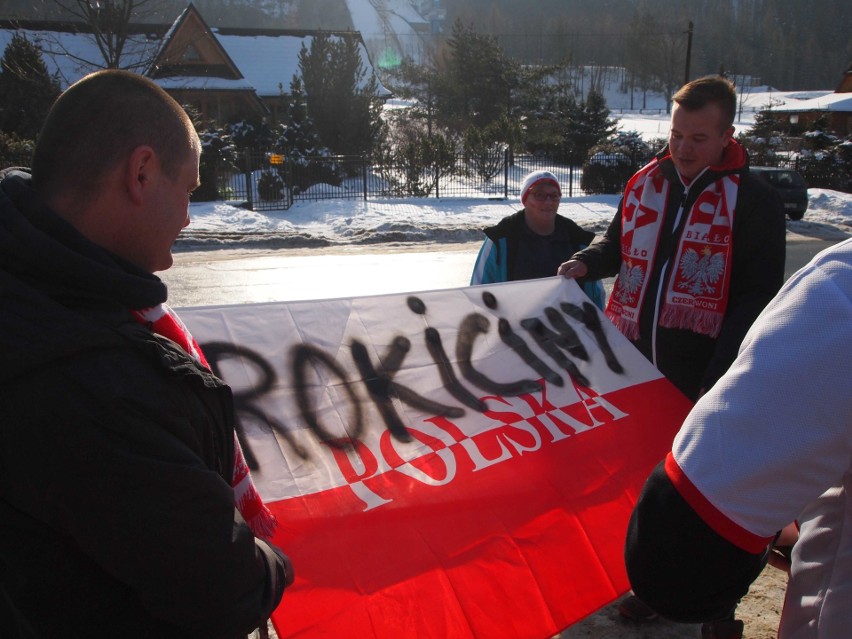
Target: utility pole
[688,52]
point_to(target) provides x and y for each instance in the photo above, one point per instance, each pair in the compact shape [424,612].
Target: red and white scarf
[696,294]
[162,320]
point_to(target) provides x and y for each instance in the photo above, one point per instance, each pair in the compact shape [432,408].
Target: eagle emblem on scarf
[701,272]
[631,275]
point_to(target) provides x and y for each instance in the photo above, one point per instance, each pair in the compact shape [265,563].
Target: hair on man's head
[711,89]
[97,122]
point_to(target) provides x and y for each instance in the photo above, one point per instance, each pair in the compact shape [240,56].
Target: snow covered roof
[269,62]
[840,102]
[267,59]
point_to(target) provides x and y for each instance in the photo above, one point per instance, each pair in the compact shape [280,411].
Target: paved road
[240,277]
[801,249]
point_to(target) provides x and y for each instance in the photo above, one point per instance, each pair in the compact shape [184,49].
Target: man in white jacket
[770,444]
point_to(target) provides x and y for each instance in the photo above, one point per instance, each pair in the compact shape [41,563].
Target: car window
[796,179]
[783,179]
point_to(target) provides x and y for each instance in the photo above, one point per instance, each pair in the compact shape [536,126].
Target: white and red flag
[445,464]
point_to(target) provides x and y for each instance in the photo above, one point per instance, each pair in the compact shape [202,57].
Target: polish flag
[455,463]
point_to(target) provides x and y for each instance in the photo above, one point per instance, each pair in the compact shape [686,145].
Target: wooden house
[225,73]
[835,107]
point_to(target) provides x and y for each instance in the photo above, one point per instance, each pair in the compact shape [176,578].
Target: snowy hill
[647,112]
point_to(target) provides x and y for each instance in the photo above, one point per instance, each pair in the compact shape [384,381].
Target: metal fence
[498,177]
[817,174]
[265,182]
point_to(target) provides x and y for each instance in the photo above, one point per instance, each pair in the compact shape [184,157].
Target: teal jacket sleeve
[489,267]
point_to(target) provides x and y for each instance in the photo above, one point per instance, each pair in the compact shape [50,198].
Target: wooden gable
[196,70]
[191,49]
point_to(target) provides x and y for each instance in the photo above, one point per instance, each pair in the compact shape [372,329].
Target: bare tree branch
[109,25]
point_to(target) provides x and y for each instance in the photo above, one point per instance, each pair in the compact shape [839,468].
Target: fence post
[364,174]
[289,183]
[247,169]
[506,173]
[571,180]
[437,179]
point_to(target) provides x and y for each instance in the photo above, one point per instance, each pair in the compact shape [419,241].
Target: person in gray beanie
[533,242]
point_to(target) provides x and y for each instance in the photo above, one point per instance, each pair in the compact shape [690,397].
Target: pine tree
[299,138]
[344,107]
[596,117]
[546,126]
[473,84]
[587,124]
[764,139]
[299,141]
[473,87]
[27,90]
[765,124]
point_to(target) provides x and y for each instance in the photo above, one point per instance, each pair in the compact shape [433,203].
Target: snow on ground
[343,222]
[428,220]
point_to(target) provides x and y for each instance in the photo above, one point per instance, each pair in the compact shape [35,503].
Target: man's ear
[728,135]
[140,169]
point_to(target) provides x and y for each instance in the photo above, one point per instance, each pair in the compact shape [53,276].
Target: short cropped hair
[97,122]
[711,89]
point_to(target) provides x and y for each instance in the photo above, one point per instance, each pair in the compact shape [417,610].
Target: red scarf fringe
[162,320]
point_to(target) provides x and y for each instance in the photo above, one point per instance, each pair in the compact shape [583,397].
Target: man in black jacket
[698,246]
[697,243]
[118,462]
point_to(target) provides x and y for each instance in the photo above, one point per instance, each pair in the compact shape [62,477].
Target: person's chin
[686,169]
[164,264]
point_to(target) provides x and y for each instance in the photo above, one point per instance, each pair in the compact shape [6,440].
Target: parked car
[790,186]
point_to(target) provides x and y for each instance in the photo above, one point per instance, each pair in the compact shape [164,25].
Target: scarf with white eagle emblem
[696,293]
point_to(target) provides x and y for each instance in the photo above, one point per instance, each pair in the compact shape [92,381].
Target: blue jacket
[502,258]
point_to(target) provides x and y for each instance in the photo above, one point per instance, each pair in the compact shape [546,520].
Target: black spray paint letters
[554,335]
